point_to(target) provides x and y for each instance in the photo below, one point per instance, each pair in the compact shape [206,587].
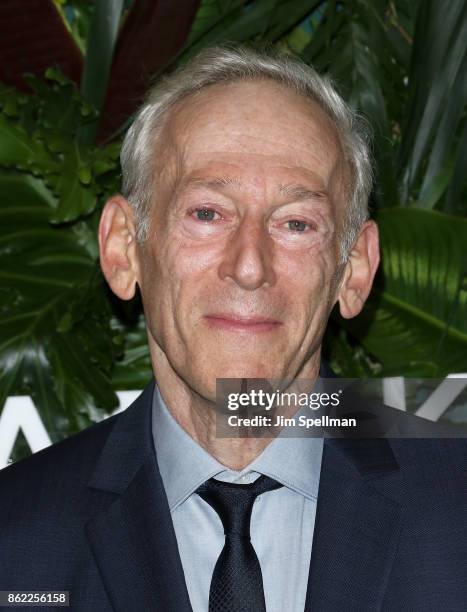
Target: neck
[197,415]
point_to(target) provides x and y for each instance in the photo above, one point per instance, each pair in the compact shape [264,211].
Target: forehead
[254,124]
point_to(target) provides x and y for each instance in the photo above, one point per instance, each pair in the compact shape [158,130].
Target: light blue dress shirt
[282,521]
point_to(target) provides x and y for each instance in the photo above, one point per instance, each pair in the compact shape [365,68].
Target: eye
[204,214]
[297,226]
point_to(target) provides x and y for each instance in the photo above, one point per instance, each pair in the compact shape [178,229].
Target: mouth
[238,323]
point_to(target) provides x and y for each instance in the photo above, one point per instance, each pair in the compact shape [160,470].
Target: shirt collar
[184,465]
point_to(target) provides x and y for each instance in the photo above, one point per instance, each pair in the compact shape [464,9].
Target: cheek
[179,278]
[306,281]
[159,281]
[191,265]
[307,272]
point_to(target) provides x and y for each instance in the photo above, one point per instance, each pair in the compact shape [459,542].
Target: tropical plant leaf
[437,94]
[416,321]
[266,20]
[18,149]
[210,14]
[456,202]
[73,187]
[352,44]
[100,46]
[441,153]
[76,14]
[133,370]
[40,136]
[55,341]
[346,356]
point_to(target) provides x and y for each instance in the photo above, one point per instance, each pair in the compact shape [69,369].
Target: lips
[236,322]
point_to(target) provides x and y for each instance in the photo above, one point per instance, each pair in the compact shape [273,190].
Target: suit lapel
[133,539]
[356,530]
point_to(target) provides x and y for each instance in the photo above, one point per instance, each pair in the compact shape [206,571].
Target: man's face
[238,274]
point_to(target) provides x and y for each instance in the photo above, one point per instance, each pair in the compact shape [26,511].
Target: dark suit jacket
[90,515]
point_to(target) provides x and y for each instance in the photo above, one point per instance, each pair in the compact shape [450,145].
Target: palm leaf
[355,44]
[237,21]
[102,37]
[437,95]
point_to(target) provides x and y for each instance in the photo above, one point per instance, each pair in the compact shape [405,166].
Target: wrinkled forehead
[263,124]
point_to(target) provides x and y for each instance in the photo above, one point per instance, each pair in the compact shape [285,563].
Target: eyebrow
[214,182]
[297,191]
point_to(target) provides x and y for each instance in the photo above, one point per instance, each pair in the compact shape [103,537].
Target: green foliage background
[67,342]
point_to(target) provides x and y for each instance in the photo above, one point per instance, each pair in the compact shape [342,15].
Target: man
[243,221]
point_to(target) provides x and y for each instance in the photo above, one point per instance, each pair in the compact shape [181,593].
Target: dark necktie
[237,583]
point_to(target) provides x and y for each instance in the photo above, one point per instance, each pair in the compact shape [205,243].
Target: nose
[248,256]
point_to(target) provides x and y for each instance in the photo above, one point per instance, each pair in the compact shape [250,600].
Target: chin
[245,371]
[205,382]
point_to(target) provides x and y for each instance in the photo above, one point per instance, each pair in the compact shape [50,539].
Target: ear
[117,247]
[360,271]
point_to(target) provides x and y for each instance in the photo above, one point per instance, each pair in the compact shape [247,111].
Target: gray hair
[228,64]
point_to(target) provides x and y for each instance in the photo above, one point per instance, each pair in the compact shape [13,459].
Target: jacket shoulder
[58,472]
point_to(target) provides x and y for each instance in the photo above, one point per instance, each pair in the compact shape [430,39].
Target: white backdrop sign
[20,414]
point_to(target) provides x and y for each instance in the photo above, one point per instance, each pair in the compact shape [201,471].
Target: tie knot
[234,502]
